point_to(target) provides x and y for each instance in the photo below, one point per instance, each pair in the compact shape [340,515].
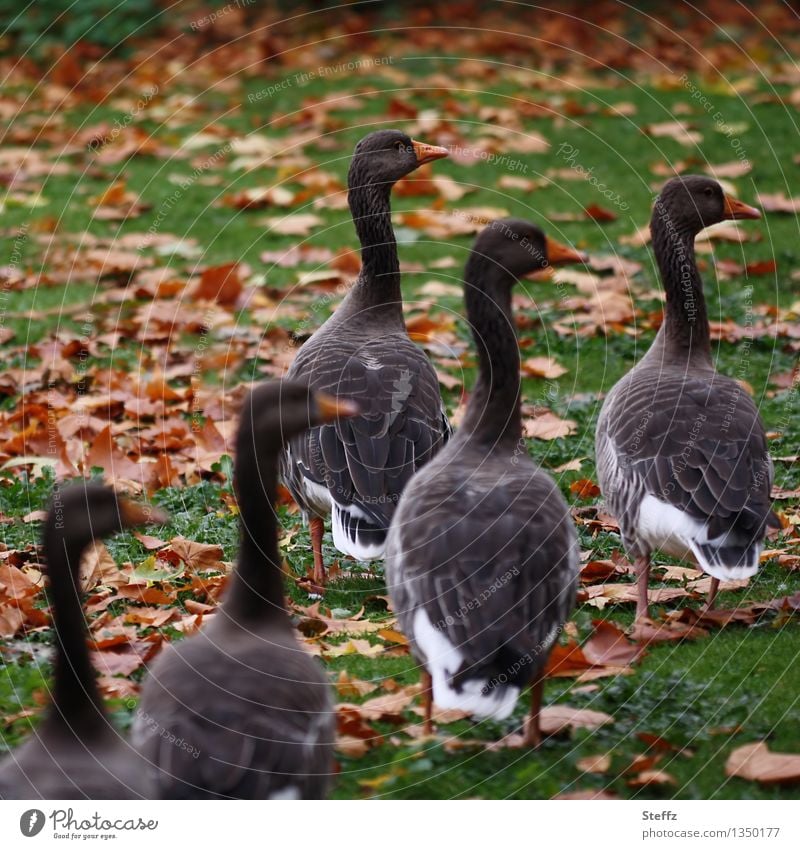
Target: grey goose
[355,469]
[76,753]
[682,456]
[241,710]
[482,556]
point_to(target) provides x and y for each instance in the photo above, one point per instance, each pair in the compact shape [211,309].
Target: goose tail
[728,562]
[356,534]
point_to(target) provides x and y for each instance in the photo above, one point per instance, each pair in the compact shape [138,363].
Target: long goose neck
[684,334]
[493,412]
[379,281]
[256,591]
[77,703]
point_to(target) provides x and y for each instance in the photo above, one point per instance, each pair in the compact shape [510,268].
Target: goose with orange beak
[482,556]
[682,456]
[355,470]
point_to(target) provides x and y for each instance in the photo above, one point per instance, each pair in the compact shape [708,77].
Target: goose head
[278,410]
[85,510]
[385,156]
[691,203]
[520,247]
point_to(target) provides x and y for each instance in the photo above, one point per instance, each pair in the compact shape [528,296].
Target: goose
[241,710]
[76,753]
[682,456]
[482,556]
[355,469]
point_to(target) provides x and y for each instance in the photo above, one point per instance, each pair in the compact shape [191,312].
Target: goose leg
[427,700]
[317,528]
[712,593]
[642,566]
[533,731]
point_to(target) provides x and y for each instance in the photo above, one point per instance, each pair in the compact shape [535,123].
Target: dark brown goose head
[271,415]
[386,156]
[504,251]
[691,203]
[80,514]
[519,247]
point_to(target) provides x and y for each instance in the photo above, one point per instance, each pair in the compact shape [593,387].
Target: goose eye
[709,191]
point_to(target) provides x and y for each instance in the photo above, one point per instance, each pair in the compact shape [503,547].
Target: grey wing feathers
[217,724]
[696,443]
[368,460]
[498,577]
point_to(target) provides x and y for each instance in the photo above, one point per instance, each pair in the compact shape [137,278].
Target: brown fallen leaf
[546,367]
[609,646]
[598,764]
[779,202]
[547,426]
[352,747]
[348,687]
[222,284]
[198,556]
[651,777]
[755,762]
[646,631]
[595,212]
[98,568]
[584,488]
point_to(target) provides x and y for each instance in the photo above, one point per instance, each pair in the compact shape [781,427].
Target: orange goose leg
[642,566]
[427,700]
[533,731]
[317,528]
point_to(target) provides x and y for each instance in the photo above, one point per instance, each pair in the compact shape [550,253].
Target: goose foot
[427,701]
[712,595]
[642,566]
[317,528]
[533,731]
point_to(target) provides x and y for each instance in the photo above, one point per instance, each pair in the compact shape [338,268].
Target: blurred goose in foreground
[357,468]
[682,456]
[250,707]
[76,753]
[482,556]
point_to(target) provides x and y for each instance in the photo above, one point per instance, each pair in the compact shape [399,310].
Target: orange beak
[428,152]
[332,408]
[134,514]
[558,254]
[736,209]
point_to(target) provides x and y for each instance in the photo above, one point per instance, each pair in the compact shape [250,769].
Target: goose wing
[367,460]
[493,564]
[696,443]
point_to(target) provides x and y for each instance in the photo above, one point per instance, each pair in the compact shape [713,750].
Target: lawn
[144,336]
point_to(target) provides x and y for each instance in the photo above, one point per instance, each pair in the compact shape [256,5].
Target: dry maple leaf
[547,426]
[778,202]
[546,367]
[98,568]
[597,764]
[650,777]
[584,488]
[198,556]
[300,224]
[222,284]
[755,762]
[609,646]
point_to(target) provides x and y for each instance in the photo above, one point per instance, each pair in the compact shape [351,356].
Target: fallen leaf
[755,762]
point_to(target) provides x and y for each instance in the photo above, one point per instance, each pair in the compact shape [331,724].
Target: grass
[704,697]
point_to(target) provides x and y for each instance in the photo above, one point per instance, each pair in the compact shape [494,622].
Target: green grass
[743,680]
